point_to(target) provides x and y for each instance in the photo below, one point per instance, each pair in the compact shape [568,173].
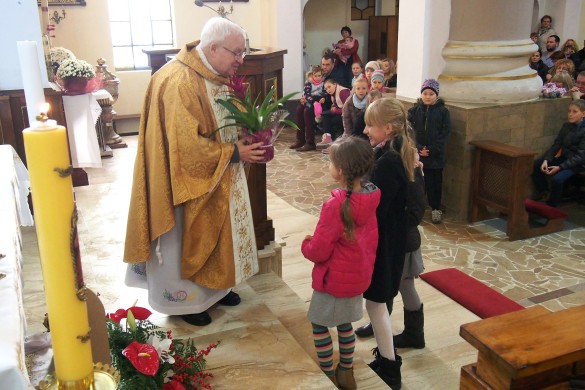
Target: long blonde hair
[389,110]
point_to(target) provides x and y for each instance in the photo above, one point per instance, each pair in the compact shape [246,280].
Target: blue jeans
[556,182]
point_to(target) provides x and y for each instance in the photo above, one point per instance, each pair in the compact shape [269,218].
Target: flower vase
[75,85]
[264,136]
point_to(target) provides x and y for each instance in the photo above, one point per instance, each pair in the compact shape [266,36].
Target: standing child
[343,249]
[309,106]
[432,124]
[413,335]
[386,128]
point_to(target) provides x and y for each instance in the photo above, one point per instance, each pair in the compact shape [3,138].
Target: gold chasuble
[183,162]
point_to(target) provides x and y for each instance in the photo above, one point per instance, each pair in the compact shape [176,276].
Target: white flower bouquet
[75,68]
[60,54]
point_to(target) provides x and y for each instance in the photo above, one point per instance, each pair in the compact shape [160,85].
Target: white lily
[162,346]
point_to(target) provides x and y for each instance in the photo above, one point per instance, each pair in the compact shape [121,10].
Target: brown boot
[333,379]
[307,148]
[345,379]
[297,145]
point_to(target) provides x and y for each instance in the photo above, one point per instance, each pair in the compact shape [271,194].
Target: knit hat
[430,84]
[372,65]
[378,74]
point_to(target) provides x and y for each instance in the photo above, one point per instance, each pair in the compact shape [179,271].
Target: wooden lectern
[263,69]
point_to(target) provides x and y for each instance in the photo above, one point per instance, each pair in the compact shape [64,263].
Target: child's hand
[308,237]
[553,170]
[424,152]
[322,100]
[544,167]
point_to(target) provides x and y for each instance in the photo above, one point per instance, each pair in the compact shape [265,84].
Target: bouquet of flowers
[60,54]
[259,122]
[77,77]
[149,358]
[75,68]
[551,91]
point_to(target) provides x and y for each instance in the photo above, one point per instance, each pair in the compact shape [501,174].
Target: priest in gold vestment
[190,235]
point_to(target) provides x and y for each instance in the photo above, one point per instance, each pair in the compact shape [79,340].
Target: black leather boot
[389,372]
[413,335]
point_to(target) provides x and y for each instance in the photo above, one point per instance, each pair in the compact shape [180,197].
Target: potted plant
[259,122]
[74,76]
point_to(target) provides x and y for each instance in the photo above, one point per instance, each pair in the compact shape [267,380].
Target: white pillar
[486,57]
[422,32]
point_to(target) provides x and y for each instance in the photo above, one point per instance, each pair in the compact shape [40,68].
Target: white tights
[382,325]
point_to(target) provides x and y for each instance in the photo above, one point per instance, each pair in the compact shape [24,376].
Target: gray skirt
[413,264]
[329,311]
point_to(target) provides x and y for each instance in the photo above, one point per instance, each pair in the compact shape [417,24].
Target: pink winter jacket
[343,268]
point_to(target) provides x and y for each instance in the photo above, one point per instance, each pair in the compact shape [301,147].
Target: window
[137,25]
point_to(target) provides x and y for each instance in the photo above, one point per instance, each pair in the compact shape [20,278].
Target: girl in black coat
[386,128]
[432,124]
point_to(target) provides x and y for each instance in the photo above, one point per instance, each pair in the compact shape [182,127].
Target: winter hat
[372,65]
[430,84]
[378,74]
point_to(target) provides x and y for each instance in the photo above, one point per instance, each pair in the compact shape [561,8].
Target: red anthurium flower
[140,313]
[173,385]
[143,357]
[118,315]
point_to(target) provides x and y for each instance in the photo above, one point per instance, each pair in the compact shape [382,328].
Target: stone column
[486,57]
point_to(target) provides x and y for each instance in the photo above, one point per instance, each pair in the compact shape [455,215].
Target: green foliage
[252,116]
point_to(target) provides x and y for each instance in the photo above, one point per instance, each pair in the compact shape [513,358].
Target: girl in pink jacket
[343,249]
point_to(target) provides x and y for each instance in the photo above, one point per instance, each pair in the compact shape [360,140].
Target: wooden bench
[500,181]
[527,349]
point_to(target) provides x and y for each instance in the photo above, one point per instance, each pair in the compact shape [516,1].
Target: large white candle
[31,77]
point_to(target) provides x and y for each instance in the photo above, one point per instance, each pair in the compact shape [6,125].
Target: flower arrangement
[149,358]
[259,121]
[60,54]
[75,68]
[551,91]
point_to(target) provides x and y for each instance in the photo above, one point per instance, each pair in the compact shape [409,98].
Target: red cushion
[470,292]
[544,210]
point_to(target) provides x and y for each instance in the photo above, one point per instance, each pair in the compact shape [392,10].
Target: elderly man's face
[551,44]
[227,57]
[326,65]
[580,83]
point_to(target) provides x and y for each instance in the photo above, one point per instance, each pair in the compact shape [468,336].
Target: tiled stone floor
[547,270]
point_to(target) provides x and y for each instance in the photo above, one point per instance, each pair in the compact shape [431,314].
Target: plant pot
[75,85]
[264,136]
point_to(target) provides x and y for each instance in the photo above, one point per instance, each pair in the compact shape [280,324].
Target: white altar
[14,212]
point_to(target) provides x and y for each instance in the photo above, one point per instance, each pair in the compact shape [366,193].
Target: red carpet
[470,293]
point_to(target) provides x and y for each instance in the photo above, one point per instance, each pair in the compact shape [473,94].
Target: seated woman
[564,158]
[535,62]
[332,115]
[562,65]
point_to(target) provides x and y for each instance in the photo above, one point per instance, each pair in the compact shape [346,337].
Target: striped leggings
[324,346]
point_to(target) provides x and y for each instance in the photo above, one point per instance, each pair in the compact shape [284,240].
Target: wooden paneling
[383,37]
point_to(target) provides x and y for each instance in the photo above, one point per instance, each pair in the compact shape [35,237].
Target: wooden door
[383,37]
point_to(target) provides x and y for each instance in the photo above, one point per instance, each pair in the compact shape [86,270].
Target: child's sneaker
[436,216]
[326,140]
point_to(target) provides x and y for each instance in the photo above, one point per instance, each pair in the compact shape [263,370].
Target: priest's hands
[250,153]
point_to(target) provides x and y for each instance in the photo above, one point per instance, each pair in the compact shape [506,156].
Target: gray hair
[217,29]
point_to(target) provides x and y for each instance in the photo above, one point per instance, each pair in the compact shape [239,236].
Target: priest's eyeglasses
[241,54]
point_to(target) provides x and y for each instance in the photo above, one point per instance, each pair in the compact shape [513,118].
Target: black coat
[389,176]
[540,68]
[432,125]
[571,140]
[416,202]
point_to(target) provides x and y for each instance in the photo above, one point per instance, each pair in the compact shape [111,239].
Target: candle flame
[43,117]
